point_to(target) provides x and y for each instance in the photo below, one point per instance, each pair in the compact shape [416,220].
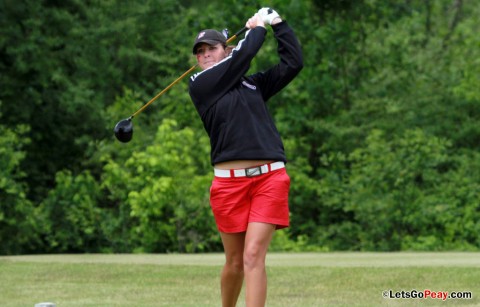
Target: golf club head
[124,130]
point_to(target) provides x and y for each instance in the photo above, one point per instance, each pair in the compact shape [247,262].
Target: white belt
[249,172]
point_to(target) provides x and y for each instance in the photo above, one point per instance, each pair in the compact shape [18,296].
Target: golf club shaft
[233,37]
[164,90]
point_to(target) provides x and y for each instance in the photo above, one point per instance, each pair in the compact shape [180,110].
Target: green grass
[306,279]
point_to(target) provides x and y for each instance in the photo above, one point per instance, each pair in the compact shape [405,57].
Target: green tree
[383,117]
[64,62]
[163,190]
[18,222]
[390,66]
[72,218]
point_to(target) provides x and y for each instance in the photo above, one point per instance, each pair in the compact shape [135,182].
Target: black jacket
[232,105]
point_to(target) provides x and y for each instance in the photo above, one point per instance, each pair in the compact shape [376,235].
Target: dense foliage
[380,127]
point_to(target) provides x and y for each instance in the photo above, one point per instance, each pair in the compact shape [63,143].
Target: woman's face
[209,55]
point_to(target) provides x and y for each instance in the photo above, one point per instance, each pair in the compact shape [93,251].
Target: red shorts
[238,201]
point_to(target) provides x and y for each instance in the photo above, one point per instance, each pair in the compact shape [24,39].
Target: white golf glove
[268,14]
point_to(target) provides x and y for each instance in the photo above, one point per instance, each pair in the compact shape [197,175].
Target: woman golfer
[249,192]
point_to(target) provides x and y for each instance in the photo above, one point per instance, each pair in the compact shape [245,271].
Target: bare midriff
[236,164]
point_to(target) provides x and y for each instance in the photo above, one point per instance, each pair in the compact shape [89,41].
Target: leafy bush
[164,191]
[71,214]
[18,221]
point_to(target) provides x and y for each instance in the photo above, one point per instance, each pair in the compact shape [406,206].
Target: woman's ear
[229,49]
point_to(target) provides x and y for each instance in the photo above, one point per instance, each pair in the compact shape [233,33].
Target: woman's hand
[255,21]
[269,16]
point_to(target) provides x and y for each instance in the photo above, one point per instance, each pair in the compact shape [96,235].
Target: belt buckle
[253,171]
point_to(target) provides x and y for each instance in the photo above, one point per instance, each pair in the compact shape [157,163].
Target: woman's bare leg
[232,273]
[257,240]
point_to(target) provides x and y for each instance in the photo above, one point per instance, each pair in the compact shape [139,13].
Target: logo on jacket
[250,86]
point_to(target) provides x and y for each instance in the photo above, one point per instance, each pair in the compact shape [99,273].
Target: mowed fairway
[295,279]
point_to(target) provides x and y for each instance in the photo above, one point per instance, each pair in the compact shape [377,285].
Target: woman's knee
[254,257]
[235,263]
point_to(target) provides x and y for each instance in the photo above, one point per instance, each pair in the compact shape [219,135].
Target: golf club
[124,129]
